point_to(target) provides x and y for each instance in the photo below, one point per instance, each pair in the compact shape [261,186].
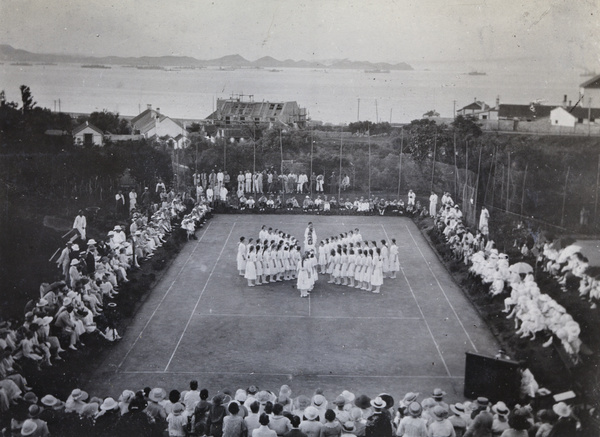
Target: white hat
[29,427]
[74,262]
[562,409]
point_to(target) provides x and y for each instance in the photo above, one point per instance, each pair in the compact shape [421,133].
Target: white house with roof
[479,110]
[87,134]
[152,124]
[590,90]
[570,117]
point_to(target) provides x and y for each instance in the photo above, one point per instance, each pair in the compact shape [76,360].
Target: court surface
[203,322]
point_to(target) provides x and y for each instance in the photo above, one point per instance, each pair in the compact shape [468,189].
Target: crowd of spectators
[254,412]
[81,304]
[535,312]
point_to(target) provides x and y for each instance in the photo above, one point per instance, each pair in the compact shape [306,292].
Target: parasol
[521,268]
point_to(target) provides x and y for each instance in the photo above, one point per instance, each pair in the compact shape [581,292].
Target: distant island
[10,54]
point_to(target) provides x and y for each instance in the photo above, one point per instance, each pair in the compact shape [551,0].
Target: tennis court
[203,322]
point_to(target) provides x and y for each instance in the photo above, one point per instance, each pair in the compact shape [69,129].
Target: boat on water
[22,64]
[227,69]
[149,67]
[274,70]
[477,73]
[96,66]
[377,70]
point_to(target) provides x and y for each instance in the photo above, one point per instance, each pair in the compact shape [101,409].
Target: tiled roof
[579,112]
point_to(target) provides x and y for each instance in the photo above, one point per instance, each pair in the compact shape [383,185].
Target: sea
[330,95]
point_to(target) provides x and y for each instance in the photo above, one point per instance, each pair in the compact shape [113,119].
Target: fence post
[523,193]
[562,215]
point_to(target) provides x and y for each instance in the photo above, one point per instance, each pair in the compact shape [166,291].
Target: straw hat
[440,412]
[501,409]
[458,409]
[78,395]
[562,409]
[378,403]
[109,404]
[311,413]
[49,401]
[29,427]
[157,394]
[415,409]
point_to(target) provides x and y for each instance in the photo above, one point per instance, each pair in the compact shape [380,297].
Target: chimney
[569,104]
[497,102]
[565,101]
[148,106]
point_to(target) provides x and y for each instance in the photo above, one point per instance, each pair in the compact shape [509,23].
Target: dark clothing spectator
[378,425]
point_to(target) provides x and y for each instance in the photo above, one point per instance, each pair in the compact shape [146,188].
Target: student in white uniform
[241,256]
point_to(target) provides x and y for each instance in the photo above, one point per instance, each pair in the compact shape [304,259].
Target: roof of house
[148,117]
[85,125]
[254,109]
[580,112]
[524,111]
[594,82]
[476,106]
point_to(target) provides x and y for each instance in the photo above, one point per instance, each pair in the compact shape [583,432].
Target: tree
[107,121]
[27,99]
[466,127]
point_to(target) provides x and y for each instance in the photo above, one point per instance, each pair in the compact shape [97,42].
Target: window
[580,120]
[484,117]
[228,120]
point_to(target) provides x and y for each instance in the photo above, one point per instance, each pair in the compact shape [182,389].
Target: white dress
[377,275]
[250,266]
[394,259]
[304,281]
[241,257]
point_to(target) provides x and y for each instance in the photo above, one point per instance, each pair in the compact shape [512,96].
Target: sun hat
[89,410]
[440,412]
[41,303]
[501,409]
[240,395]
[311,413]
[348,426]
[415,409]
[409,397]
[75,247]
[428,403]
[458,409]
[109,404]
[34,411]
[49,401]
[349,396]
[388,399]
[218,399]
[74,261]
[319,401]
[562,409]
[29,427]
[302,402]
[178,408]
[363,402]
[30,397]
[482,402]
[378,403]
[91,241]
[126,396]
[157,394]
[263,396]
[339,401]
[79,394]
[438,394]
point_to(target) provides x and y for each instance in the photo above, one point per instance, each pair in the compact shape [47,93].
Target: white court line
[328,375]
[299,316]
[199,297]
[163,298]
[443,291]
[421,311]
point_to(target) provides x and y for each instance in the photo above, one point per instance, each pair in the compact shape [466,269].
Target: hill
[11,54]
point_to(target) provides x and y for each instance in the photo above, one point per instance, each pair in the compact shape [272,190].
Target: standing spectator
[234,425]
[484,219]
[212,179]
[378,424]
[482,420]
[204,180]
[441,426]
[567,424]
[345,182]
[220,179]
[411,199]
[146,200]
[263,430]
[177,421]
[240,181]
[412,425]
[332,183]
[64,260]
[433,200]
[216,414]
[319,183]
[80,224]
[295,431]
[192,397]
[132,199]
[248,179]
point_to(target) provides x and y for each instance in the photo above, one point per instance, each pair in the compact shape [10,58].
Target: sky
[542,33]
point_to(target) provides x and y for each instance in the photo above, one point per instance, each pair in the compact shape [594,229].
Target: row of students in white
[272,259]
[352,262]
